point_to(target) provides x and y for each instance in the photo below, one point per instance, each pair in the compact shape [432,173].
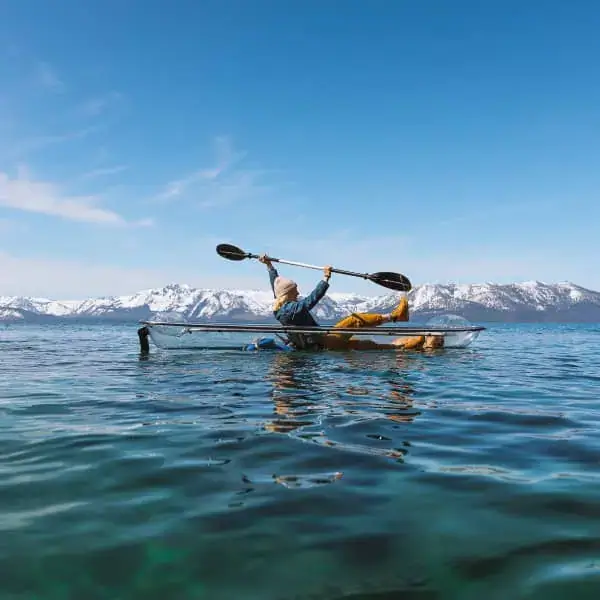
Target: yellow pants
[343,341]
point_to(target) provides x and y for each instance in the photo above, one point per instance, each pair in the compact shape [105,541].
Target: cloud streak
[220,184]
[36,143]
[104,172]
[96,106]
[46,198]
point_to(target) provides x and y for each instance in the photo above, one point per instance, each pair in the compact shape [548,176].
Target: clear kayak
[184,335]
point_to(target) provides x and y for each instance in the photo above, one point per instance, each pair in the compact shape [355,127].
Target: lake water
[462,474]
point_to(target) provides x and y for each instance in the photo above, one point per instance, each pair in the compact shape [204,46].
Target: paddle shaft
[299,264]
[389,280]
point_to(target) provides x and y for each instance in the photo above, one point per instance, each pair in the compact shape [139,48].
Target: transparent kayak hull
[184,336]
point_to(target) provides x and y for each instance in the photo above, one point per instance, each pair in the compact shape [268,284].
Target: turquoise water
[461,474]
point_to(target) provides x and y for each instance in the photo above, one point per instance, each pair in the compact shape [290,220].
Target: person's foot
[400,313]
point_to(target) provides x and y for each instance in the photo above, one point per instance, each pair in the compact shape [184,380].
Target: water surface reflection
[345,400]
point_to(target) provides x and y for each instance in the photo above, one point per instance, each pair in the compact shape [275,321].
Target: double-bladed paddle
[392,281]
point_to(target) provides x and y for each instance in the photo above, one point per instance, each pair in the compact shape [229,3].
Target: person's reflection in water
[295,381]
[296,388]
[304,394]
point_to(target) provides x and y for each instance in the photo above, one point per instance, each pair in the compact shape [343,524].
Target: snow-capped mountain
[528,301]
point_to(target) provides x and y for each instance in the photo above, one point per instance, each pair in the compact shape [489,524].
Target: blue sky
[450,141]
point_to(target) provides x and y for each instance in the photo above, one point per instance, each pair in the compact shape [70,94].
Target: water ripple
[458,474]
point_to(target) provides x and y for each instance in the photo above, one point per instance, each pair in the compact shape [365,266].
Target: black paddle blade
[231,252]
[392,281]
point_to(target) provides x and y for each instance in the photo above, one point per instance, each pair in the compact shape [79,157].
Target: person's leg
[420,342]
[337,341]
[410,343]
[341,341]
[417,342]
[358,320]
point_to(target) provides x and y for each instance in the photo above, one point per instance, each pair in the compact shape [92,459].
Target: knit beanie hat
[284,286]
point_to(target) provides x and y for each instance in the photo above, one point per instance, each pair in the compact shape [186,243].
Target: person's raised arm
[317,294]
[272,271]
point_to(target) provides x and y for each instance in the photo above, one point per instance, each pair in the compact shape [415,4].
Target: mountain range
[532,301]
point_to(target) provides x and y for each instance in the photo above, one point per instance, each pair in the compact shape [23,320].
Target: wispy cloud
[96,106]
[23,193]
[48,78]
[225,159]
[36,143]
[104,172]
[220,184]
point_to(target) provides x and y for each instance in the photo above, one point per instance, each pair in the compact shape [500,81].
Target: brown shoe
[400,313]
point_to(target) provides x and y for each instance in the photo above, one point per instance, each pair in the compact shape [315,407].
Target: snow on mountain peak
[205,304]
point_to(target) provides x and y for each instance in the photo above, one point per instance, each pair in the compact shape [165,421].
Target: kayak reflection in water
[289,310]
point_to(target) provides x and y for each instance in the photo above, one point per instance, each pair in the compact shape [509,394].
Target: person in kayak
[289,310]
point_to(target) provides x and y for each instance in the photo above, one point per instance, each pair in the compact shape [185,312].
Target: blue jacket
[298,311]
